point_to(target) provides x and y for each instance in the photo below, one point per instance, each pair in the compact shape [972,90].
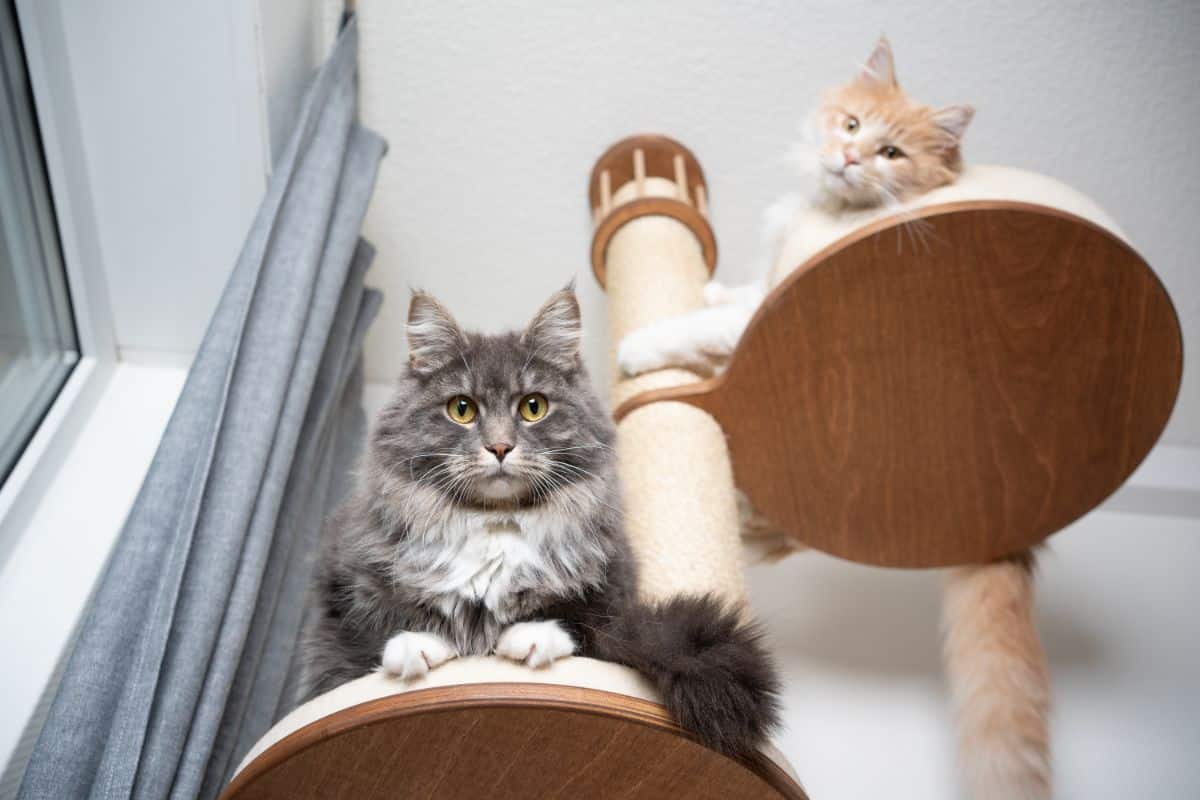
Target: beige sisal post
[654,251]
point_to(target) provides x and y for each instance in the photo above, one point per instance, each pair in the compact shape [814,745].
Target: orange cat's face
[875,145]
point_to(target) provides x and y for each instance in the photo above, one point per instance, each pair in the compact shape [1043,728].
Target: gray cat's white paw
[411,655]
[535,644]
[637,353]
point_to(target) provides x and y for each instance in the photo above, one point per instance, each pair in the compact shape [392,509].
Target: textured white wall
[169,113]
[496,112]
[181,108]
[290,51]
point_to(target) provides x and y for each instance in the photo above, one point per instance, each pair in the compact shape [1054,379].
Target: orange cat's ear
[880,67]
[953,120]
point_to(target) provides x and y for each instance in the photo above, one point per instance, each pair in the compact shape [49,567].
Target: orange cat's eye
[891,152]
[852,124]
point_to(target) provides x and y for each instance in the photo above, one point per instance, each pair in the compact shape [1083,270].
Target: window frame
[48,69]
[38,220]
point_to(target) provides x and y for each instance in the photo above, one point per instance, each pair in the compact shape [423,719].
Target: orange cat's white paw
[535,644]
[718,294]
[640,352]
[411,655]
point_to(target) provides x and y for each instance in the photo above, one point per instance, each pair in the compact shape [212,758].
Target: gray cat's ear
[880,67]
[434,338]
[555,333]
[953,120]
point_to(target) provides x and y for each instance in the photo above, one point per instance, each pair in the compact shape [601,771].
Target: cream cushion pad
[813,229]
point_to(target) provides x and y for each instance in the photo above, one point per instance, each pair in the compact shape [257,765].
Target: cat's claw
[411,655]
[535,644]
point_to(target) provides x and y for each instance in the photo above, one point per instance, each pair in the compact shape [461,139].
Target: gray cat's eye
[461,409]
[533,407]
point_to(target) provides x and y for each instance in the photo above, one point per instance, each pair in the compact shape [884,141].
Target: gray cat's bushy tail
[710,666]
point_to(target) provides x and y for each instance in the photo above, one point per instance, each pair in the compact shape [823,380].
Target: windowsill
[48,576]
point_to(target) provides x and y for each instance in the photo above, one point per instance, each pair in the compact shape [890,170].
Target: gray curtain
[185,655]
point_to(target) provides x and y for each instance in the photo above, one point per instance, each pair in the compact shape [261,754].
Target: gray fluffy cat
[486,520]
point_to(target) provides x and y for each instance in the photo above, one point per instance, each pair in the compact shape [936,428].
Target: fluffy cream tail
[998,680]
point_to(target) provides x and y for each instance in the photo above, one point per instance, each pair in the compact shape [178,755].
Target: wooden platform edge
[694,393]
[441,699]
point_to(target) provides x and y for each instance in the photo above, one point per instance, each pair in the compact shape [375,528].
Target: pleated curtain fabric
[186,654]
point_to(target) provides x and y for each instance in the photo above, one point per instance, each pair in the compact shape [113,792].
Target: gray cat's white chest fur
[486,558]
[490,559]
[460,560]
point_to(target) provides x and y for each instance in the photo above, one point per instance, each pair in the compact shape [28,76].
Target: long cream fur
[998,680]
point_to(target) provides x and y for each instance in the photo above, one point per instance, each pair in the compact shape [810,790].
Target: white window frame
[67,173]
[274,47]
[65,500]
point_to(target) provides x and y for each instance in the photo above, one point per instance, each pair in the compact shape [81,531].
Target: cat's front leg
[411,654]
[535,644]
[700,340]
[718,294]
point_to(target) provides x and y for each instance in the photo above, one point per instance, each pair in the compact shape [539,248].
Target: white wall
[496,112]
[182,108]
[865,706]
[290,34]
[167,95]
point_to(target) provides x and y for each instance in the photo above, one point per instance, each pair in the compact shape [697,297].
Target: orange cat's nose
[850,157]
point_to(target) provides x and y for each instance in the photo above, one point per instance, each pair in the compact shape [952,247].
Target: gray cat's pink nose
[499,450]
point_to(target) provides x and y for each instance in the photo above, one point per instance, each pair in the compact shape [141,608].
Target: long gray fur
[394,553]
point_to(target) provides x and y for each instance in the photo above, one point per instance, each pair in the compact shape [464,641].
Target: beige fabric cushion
[813,229]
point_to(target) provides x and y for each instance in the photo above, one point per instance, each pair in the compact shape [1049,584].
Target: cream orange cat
[869,145]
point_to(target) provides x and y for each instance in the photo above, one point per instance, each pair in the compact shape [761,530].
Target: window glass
[37,338]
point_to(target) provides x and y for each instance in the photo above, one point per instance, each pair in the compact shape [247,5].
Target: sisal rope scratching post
[653,251]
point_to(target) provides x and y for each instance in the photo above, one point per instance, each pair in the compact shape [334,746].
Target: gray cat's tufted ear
[555,332]
[953,120]
[434,338]
[880,67]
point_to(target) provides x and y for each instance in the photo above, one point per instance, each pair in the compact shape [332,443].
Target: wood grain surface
[951,394]
[503,741]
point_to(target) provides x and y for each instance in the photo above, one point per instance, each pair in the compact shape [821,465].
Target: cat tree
[946,383]
[485,727]
[943,385]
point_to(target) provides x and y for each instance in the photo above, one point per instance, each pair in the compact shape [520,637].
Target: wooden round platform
[496,740]
[952,397]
